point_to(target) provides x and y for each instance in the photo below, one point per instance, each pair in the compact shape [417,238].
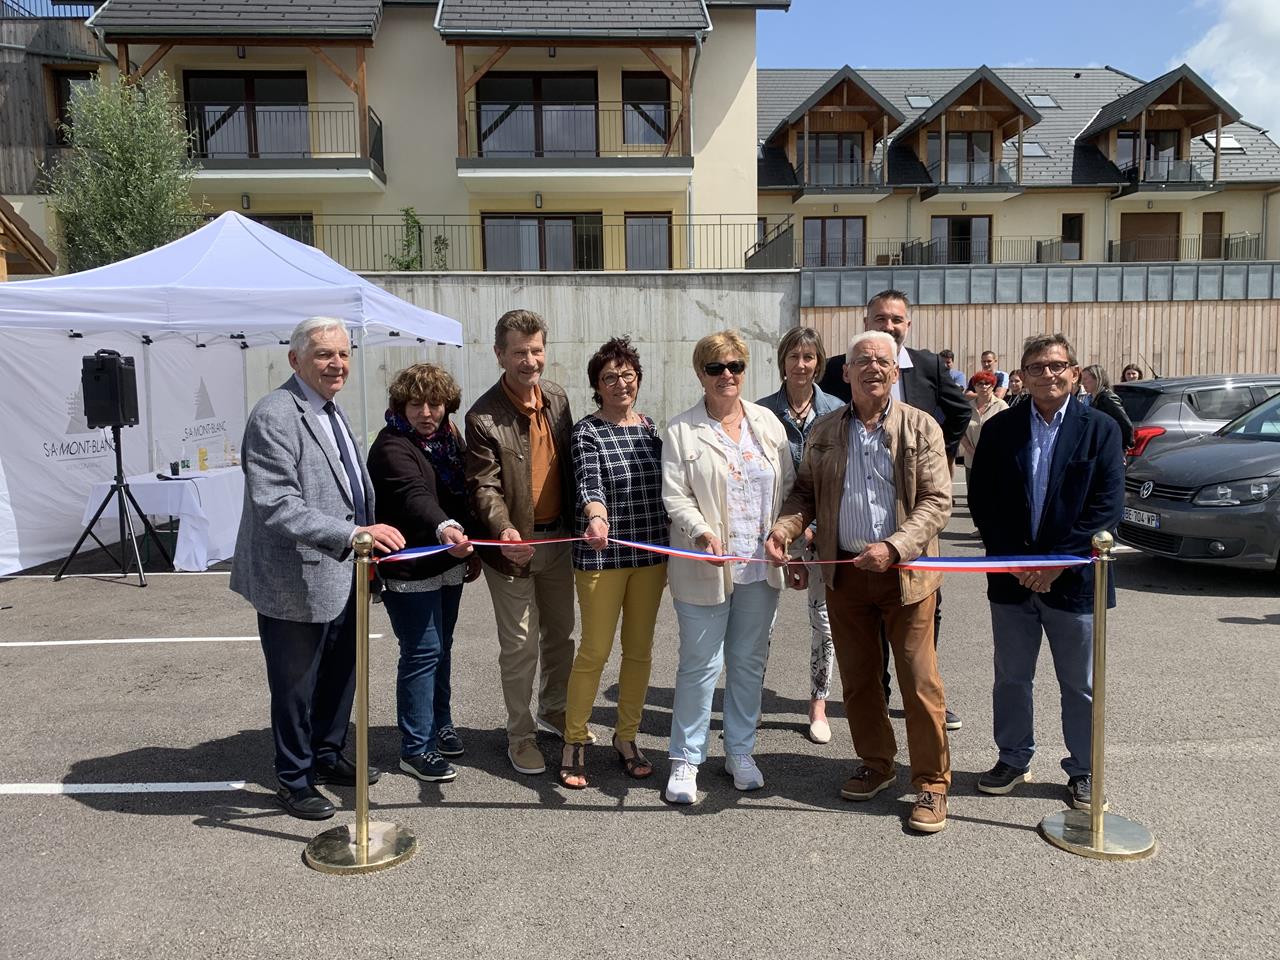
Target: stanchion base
[1122,838]
[335,850]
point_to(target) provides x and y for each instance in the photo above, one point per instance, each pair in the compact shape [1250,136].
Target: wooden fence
[1172,338]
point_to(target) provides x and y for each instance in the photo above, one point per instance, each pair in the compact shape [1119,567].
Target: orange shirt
[544,459]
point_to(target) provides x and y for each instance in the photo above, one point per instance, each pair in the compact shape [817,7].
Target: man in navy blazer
[306,495]
[1046,476]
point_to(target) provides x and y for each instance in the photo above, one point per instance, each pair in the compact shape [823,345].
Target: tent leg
[364,395]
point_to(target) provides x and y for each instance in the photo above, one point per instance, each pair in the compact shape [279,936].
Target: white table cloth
[207,503]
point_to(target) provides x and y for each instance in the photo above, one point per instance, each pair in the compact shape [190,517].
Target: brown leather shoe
[866,783]
[929,815]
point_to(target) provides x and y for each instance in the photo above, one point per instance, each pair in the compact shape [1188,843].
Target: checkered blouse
[620,467]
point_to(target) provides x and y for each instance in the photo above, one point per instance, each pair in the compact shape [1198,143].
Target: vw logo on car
[1145,490]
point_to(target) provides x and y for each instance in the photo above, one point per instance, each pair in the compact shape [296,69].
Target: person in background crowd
[617,468]
[924,384]
[985,406]
[306,496]
[419,477]
[520,480]
[990,362]
[726,466]
[1095,382]
[798,403]
[1130,372]
[1017,389]
[875,477]
[949,360]
[1047,477]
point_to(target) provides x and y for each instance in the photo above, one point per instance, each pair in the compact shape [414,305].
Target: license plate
[1151,520]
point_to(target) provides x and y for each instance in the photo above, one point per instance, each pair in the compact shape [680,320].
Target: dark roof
[941,104]
[1135,101]
[1080,91]
[571,18]
[844,73]
[199,18]
[757,4]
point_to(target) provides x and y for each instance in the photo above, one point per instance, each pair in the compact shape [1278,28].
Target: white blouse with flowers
[749,496]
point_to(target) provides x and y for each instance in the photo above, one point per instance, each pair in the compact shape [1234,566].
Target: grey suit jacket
[295,529]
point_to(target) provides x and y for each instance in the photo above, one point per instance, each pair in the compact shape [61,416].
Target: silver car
[1165,412]
[1213,498]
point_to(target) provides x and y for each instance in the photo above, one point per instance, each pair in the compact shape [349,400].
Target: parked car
[1165,412]
[1212,498]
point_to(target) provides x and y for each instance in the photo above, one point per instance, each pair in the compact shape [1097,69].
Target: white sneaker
[742,767]
[682,785]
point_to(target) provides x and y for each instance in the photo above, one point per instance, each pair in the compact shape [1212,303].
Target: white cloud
[1238,57]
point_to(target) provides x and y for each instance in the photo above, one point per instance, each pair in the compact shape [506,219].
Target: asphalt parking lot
[514,866]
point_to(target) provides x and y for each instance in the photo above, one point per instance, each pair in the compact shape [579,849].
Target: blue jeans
[733,634]
[1017,629]
[423,623]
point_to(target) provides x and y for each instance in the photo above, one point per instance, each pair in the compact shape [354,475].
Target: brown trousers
[857,605]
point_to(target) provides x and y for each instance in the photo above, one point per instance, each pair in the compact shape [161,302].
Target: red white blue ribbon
[941,564]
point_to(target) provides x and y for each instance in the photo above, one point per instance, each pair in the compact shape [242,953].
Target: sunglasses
[717,367]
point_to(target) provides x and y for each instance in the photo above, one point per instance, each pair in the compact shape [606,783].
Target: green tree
[123,185]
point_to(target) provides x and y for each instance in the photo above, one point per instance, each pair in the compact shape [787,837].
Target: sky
[1233,44]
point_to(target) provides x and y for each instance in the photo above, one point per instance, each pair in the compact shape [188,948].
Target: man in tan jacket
[875,477]
[520,480]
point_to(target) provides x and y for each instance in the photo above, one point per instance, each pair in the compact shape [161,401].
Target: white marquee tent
[232,284]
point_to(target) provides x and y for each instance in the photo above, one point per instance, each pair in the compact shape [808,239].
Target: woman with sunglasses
[726,467]
[617,469]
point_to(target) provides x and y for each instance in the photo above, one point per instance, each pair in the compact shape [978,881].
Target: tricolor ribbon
[941,564]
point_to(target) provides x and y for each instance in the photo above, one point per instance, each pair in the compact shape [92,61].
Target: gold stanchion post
[1096,833]
[361,847]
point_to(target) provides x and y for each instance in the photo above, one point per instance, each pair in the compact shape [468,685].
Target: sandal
[636,766]
[576,767]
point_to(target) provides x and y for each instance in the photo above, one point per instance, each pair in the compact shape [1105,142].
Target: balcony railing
[839,174]
[975,173]
[1235,246]
[44,10]
[517,131]
[275,131]
[1169,170]
[918,252]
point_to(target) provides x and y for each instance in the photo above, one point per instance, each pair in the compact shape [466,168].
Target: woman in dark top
[617,466]
[1095,382]
[416,464]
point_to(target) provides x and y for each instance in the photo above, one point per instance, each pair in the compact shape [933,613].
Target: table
[207,503]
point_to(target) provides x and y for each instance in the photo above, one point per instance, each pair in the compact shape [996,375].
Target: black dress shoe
[305,804]
[342,772]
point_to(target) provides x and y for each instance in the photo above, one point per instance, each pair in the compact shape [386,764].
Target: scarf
[442,449]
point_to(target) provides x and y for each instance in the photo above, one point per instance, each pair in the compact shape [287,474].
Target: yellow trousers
[603,595]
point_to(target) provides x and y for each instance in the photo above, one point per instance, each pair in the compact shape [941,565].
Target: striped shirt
[868,504]
[620,467]
[1044,436]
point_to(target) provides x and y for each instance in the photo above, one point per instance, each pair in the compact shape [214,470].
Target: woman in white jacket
[726,468]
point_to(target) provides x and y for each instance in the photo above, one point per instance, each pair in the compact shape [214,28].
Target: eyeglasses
[613,379]
[864,360]
[717,367]
[1040,369]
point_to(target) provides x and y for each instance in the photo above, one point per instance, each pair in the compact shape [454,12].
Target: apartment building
[1008,165]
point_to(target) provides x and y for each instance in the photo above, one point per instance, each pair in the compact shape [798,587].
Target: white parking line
[81,643]
[66,789]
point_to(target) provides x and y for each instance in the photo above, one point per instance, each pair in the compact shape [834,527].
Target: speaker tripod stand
[120,491]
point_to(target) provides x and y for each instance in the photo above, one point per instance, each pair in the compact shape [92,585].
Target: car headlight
[1237,492]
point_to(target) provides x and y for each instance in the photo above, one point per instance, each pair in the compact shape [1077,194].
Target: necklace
[728,419]
[799,413]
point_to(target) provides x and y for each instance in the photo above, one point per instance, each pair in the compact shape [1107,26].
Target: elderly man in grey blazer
[306,496]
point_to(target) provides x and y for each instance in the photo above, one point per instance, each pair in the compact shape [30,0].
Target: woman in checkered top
[617,464]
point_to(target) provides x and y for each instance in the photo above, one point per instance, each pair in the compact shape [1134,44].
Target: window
[835,241]
[1220,403]
[646,99]
[1030,148]
[1211,235]
[295,226]
[1072,236]
[919,101]
[234,114]
[64,83]
[648,241]
[536,115]
[1043,101]
[969,158]
[960,240]
[762,228]
[1162,152]
[553,242]
[1229,143]
[835,159]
